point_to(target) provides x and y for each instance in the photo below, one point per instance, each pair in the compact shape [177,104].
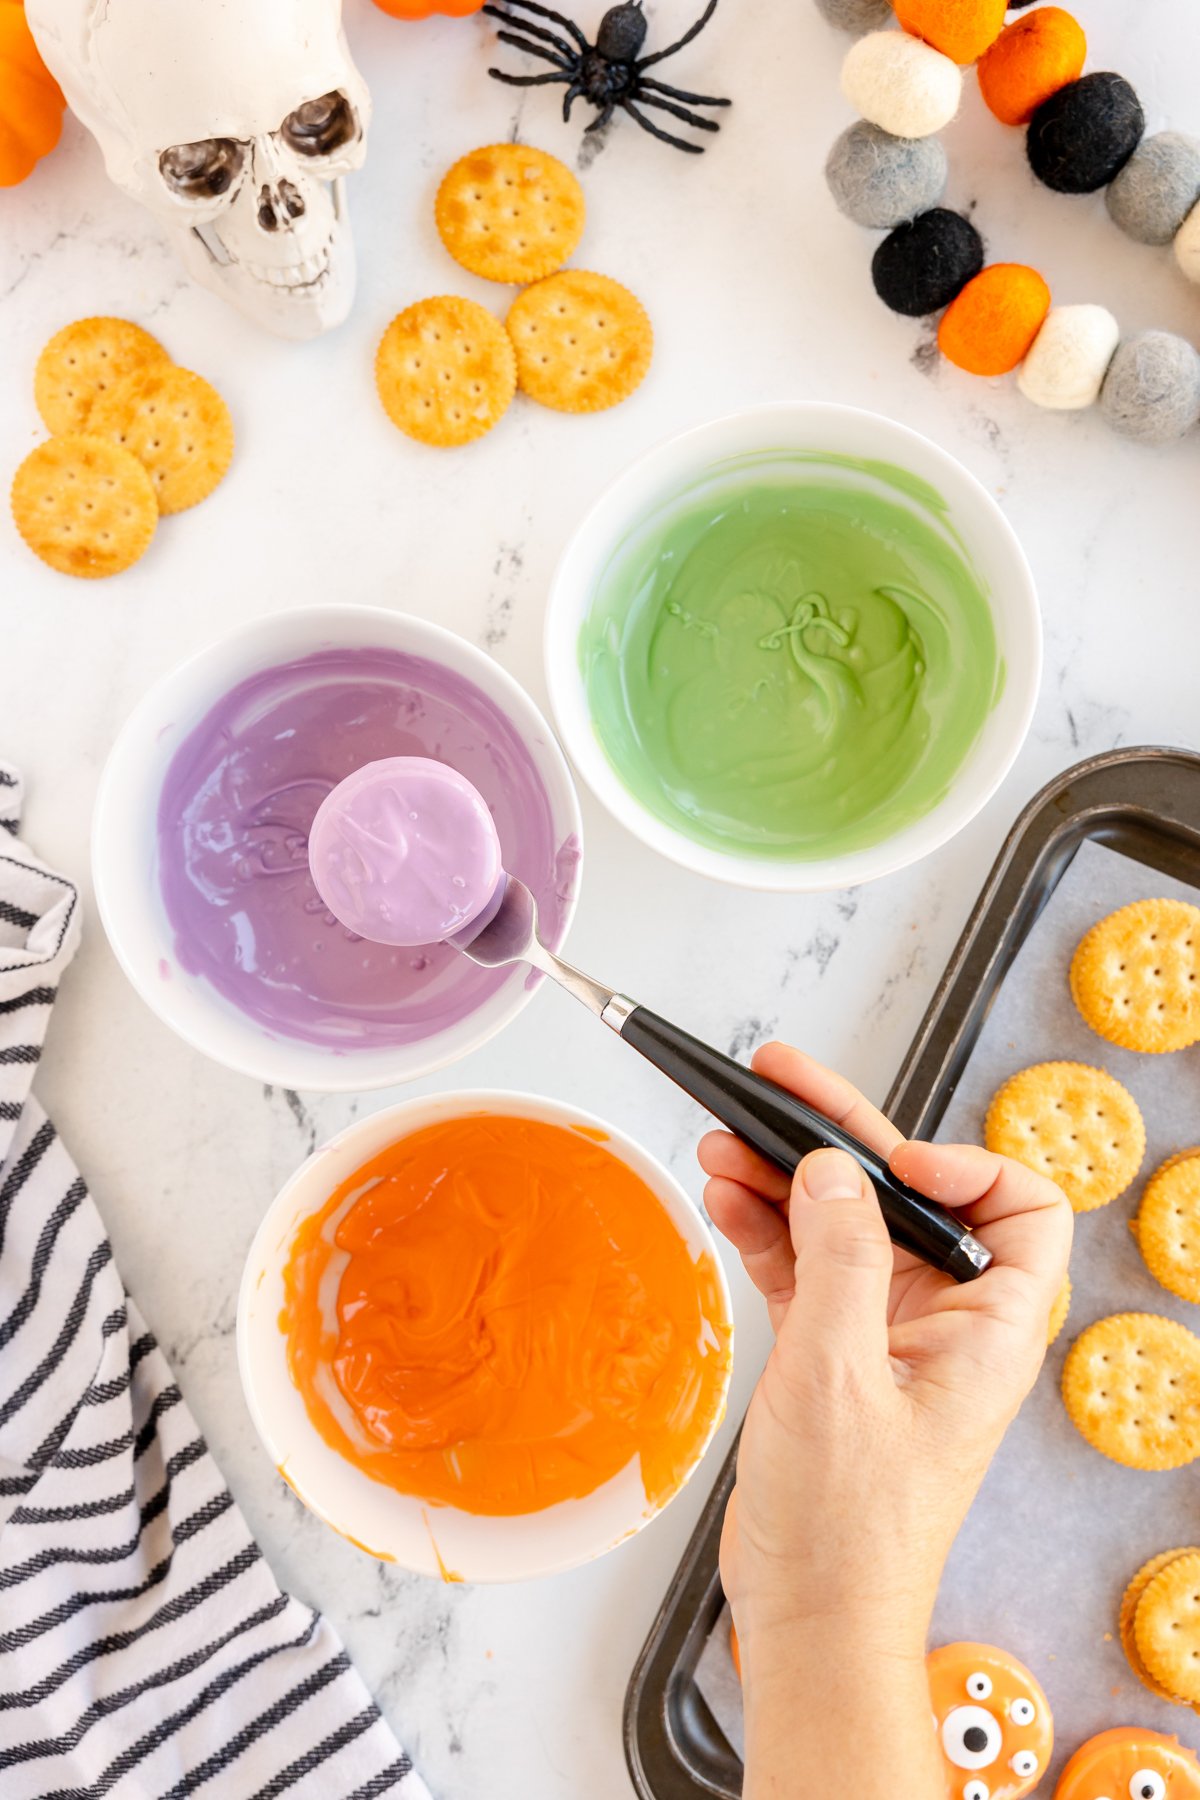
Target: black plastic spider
[610,72]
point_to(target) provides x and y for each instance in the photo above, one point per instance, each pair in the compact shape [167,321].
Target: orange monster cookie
[82,362]
[1167,1226]
[993,1722]
[1131,1384]
[445,371]
[510,213]
[1130,1763]
[583,342]
[1166,1627]
[1073,1123]
[1136,976]
[1130,1601]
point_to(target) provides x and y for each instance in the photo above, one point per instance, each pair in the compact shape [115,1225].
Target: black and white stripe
[145,1648]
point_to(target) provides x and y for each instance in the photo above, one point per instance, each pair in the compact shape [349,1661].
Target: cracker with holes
[445,371]
[510,213]
[1135,976]
[83,362]
[1059,1311]
[1072,1123]
[84,505]
[583,342]
[1166,1626]
[1131,1385]
[1167,1226]
[178,427]
[1130,1600]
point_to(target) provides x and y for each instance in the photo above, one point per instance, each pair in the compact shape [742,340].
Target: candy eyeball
[1024,1763]
[971,1737]
[1147,1784]
[979,1685]
[976,1790]
[1022,1712]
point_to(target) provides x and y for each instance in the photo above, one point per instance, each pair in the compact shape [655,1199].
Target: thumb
[844,1257]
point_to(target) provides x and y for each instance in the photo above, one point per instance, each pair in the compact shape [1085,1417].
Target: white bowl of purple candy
[200,844]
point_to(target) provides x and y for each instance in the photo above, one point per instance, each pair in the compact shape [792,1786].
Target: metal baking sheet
[1056,1530]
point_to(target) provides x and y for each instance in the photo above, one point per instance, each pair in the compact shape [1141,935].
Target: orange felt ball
[960,29]
[988,328]
[1031,59]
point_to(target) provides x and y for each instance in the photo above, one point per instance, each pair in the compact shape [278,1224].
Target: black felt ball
[920,266]
[1084,134]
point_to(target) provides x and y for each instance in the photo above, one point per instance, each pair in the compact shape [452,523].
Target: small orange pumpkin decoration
[31,102]
[425,9]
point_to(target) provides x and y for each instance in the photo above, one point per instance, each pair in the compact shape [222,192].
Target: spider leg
[549,37]
[519,43]
[569,98]
[555,18]
[525,80]
[680,112]
[644,62]
[601,119]
[649,125]
[664,87]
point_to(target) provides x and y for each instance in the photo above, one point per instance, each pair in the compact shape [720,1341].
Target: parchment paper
[1057,1530]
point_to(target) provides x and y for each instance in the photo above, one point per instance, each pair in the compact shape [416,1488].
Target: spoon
[405,851]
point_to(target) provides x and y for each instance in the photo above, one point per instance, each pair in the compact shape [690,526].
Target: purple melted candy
[233,821]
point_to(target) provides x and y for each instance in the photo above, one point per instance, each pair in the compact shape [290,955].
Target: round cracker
[583,341]
[84,361]
[178,427]
[1129,1605]
[1059,1311]
[1135,976]
[1073,1123]
[1166,1627]
[1131,1385]
[1167,1226]
[509,212]
[445,371]
[84,505]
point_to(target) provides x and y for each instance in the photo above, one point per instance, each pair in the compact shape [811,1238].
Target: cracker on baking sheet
[445,371]
[178,427]
[1129,1605]
[583,341]
[82,362]
[1131,1385]
[1167,1226]
[509,212]
[1135,976]
[1075,1124]
[1166,1626]
[1059,1311]
[84,505]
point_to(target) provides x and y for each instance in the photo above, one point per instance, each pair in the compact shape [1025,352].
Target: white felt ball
[1187,244]
[900,84]
[1069,357]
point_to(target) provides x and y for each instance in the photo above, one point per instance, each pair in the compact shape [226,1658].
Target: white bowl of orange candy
[484,1335]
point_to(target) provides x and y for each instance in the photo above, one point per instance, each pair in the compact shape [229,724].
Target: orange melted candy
[497,1314]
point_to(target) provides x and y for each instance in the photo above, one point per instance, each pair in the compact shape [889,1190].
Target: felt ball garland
[1083,132]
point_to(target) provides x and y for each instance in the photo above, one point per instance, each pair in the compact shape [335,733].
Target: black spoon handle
[784,1129]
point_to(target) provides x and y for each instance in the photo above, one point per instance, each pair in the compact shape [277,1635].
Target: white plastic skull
[235,122]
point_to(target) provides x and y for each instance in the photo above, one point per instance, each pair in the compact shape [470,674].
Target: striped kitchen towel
[145,1648]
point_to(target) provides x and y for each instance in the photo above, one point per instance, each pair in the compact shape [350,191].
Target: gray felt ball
[1152,390]
[881,181]
[857,15]
[1156,190]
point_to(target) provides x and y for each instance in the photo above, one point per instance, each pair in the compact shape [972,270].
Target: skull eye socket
[202,171]
[320,127]
[1147,1784]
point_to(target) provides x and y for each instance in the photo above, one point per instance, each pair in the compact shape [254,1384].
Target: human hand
[889,1386]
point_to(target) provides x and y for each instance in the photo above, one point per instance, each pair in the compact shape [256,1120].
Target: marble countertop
[758,291]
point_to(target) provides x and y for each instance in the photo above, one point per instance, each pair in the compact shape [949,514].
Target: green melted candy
[793,658]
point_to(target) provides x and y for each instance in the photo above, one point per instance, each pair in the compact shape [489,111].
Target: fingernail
[830,1175]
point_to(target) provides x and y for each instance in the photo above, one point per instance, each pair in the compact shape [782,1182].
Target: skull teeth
[291,275]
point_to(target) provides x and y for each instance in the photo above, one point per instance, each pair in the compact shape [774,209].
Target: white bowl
[990,544]
[432,1540]
[125,847]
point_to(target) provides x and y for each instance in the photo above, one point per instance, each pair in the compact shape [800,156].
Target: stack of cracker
[1159,1624]
[134,436]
